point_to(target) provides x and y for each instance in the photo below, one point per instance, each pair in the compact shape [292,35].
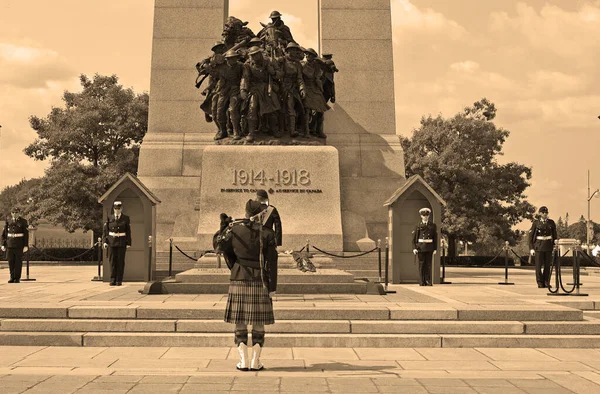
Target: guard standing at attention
[271,218]
[425,245]
[15,242]
[541,243]
[117,236]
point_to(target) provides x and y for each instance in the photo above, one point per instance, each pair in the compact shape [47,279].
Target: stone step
[284,276]
[121,339]
[301,311]
[356,287]
[305,326]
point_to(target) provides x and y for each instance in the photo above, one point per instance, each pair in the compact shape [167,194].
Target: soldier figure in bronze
[313,100]
[256,92]
[292,84]
[230,78]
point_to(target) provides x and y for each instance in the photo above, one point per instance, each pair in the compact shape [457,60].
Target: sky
[537,60]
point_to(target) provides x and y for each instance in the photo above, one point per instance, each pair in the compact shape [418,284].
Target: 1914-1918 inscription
[286,177]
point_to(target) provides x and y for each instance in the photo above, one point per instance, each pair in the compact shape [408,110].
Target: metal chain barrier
[345,257]
[62,258]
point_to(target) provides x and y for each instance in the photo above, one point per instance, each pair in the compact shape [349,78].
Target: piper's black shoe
[113,283]
[17,281]
[119,283]
[11,281]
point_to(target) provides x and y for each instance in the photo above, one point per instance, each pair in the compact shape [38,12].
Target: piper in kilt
[253,281]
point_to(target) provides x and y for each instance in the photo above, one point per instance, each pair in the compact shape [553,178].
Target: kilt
[248,302]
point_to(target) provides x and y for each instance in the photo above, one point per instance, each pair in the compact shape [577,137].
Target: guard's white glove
[128,246]
[3,248]
[25,249]
[105,245]
[435,251]
[415,251]
[532,252]
[272,293]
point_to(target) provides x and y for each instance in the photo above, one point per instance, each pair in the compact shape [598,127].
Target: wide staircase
[317,321]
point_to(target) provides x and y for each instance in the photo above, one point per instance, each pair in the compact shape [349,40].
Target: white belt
[543,237]
[15,235]
[117,234]
[427,241]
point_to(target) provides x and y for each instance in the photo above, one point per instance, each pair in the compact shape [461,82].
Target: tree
[91,142]
[16,196]
[458,158]
[94,125]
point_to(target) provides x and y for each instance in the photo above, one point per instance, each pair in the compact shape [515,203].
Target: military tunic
[541,239]
[425,240]
[117,234]
[15,236]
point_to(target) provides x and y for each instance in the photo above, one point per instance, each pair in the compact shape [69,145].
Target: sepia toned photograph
[310,196]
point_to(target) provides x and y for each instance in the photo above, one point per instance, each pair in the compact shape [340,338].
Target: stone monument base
[303,183]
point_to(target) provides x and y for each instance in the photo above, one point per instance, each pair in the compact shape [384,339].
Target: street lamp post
[589,221]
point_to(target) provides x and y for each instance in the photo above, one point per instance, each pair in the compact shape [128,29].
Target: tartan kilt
[248,302]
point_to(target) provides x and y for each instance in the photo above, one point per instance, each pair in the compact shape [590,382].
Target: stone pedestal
[303,184]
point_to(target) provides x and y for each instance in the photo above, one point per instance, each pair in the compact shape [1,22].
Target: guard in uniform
[425,245]
[541,243]
[15,241]
[271,218]
[117,236]
[253,281]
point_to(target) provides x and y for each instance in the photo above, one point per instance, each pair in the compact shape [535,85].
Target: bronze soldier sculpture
[284,35]
[313,100]
[255,92]
[329,69]
[541,243]
[292,87]
[15,242]
[210,66]
[274,99]
[229,100]
[425,246]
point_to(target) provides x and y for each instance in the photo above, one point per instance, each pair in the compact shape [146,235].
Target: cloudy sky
[538,60]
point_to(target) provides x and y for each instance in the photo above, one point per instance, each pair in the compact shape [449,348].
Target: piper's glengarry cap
[262,193]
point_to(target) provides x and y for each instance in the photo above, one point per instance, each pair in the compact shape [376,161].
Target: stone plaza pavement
[80,369]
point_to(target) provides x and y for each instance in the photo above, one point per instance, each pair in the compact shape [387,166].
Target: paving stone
[572,354]
[202,353]
[455,354]
[417,313]
[101,388]
[161,379]
[450,390]
[157,388]
[205,388]
[210,380]
[404,390]
[33,311]
[522,341]
[389,381]
[449,365]
[488,383]
[119,379]
[442,382]
[499,390]
[541,366]
[515,354]
[324,354]
[264,388]
[127,353]
[389,354]
[436,327]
